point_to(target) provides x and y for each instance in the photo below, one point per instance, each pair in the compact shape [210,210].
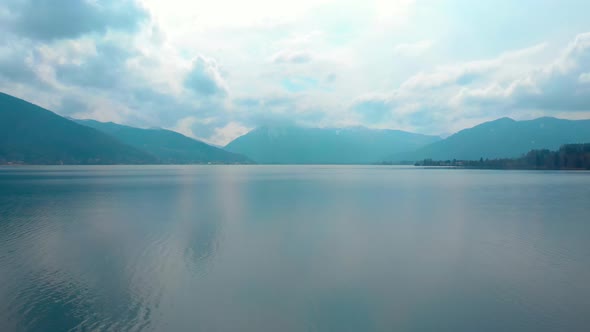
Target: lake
[293,248]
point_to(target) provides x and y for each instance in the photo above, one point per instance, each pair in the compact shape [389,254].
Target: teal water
[293,248]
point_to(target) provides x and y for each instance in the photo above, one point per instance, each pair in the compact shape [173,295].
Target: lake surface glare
[293,248]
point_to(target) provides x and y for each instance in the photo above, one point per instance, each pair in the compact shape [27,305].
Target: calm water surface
[293,248]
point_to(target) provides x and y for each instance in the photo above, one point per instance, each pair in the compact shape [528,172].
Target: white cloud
[584,78]
[230,13]
[227,133]
[51,20]
[413,49]
[509,84]
[289,56]
[463,73]
[184,126]
[204,77]
[204,68]
[558,85]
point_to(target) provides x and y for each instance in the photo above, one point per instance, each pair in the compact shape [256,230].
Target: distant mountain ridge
[30,134]
[502,138]
[289,144]
[169,147]
[33,135]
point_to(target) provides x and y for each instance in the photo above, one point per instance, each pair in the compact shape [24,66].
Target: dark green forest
[568,157]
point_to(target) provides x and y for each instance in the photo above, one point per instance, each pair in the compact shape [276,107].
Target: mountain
[167,146]
[299,145]
[503,138]
[33,135]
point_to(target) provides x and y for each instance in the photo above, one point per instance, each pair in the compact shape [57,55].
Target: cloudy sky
[216,69]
